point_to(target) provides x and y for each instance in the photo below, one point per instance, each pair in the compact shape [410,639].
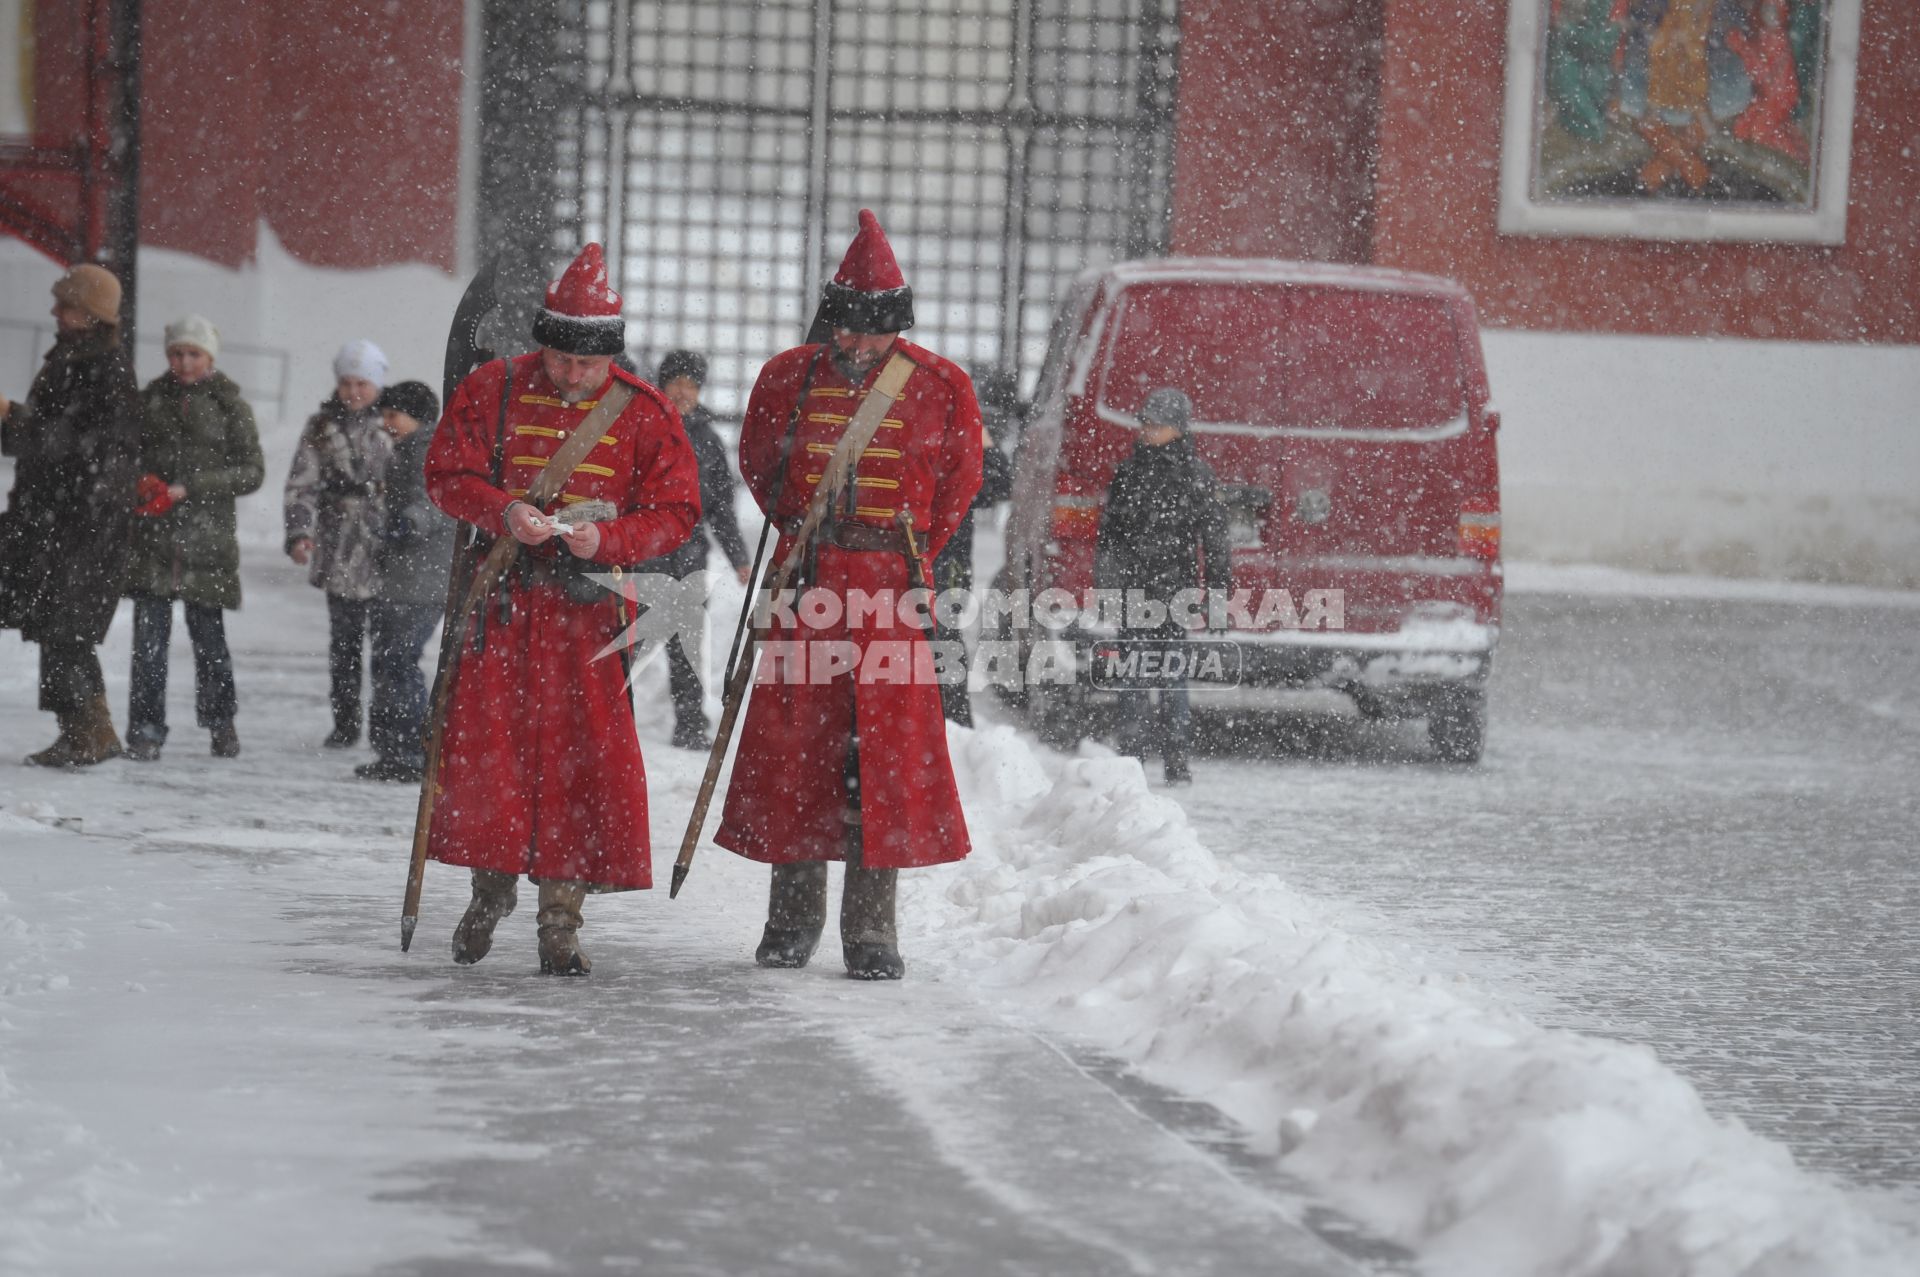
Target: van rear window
[1286,356]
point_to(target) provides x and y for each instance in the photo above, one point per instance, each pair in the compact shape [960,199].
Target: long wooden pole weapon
[739,654]
[463,355]
[460,601]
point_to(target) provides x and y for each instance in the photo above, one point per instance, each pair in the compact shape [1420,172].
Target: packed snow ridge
[1416,1104]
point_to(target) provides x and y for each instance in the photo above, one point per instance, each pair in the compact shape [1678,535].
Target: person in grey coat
[410,595]
[335,518]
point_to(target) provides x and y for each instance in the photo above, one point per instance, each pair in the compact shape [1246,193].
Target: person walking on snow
[410,587]
[540,770]
[63,538]
[334,518]
[855,768]
[999,394]
[682,375]
[1163,530]
[200,452]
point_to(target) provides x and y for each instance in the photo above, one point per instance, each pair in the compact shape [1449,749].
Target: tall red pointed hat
[868,294]
[582,314]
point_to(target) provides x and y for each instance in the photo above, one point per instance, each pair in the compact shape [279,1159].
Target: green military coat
[201,437]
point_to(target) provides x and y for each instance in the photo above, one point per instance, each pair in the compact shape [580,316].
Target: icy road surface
[1697,826]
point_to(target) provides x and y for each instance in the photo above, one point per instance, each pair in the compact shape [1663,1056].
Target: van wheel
[1457,725]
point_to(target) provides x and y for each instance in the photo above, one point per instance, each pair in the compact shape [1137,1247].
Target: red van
[1345,413]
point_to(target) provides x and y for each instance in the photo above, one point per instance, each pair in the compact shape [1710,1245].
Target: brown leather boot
[560,952]
[66,746]
[494,896]
[796,915]
[98,740]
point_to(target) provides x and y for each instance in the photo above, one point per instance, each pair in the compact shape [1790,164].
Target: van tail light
[1076,518]
[1480,530]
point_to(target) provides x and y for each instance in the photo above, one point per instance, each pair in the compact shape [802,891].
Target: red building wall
[1275,128]
[338,125]
[1268,163]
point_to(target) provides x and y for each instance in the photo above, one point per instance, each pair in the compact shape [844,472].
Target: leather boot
[97,740]
[560,952]
[868,939]
[494,896]
[66,746]
[796,915]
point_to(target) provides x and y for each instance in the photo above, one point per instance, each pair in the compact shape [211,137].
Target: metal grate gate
[721,150]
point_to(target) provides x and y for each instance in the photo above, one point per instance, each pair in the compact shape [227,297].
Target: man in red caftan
[852,766]
[540,770]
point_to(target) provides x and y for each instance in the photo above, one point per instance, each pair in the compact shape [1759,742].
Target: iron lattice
[722,151]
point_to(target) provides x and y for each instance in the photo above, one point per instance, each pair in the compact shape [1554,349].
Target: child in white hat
[335,515]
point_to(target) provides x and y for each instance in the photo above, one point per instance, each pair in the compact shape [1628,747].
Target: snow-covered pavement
[213,1057]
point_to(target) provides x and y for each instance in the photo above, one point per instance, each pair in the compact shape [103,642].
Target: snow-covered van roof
[1273,271]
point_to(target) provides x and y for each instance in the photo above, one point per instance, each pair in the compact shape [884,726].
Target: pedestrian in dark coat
[1163,531]
[410,592]
[682,375]
[199,451]
[999,394]
[63,543]
[335,518]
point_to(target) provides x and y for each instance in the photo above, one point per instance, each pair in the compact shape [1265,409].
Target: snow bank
[1413,1102]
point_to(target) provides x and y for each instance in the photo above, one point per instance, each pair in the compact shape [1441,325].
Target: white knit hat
[194,330]
[361,358]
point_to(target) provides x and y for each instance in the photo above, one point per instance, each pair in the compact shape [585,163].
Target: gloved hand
[152,496]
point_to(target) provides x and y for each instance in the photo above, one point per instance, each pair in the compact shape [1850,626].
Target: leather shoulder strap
[561,466]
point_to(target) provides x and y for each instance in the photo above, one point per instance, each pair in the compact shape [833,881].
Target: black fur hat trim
[577,336]
[855,311]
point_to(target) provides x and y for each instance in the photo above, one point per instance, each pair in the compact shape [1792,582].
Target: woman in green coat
[200,451]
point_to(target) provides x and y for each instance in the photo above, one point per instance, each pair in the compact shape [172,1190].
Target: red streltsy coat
[540,770]
[787,800]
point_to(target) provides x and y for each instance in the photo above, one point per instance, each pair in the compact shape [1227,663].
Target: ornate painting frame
[1679,119]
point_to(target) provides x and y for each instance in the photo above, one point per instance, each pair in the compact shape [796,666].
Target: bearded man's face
[855,354]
